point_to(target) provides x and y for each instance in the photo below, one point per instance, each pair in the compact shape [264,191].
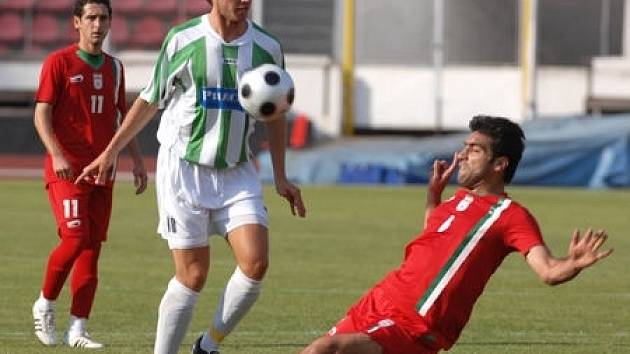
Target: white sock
[174,315]
[44,303]
[238,297]
[76,325]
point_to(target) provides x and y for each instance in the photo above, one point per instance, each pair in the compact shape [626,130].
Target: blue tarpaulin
[581,151]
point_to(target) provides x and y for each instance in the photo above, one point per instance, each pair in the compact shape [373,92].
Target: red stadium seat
[13,28]
[16,4]
[46,29]
[129,6]
[148,33]
[197,7]
[119,31]
[69,33]
[64,6]
[163,7]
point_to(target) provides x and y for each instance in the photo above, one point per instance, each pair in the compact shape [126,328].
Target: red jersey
[448,265]
[88,97]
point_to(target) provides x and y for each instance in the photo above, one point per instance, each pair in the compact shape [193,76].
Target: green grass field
[319,266]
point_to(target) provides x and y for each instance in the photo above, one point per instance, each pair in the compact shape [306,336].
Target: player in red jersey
[80,101]
[422,306]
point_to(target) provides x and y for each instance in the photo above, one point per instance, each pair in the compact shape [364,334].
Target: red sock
[60,262]
[85,280]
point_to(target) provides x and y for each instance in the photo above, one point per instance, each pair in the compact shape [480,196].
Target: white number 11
[97,103]
[71,208]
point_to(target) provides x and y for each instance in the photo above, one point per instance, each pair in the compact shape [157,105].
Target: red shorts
[81,210]
[376,316]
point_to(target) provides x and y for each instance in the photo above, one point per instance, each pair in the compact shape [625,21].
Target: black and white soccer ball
[265,91]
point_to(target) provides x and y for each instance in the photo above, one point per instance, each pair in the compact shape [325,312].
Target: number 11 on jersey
[97,103]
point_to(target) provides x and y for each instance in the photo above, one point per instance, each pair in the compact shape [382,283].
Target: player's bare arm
[137,118]
[276,131]
[43,125]
[440,176]
[583,252]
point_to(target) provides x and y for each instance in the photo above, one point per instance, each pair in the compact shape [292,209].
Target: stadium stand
[148,33]
[58,6]
[19,5]
[164,7]
[13,28]
[68,32]
[46,30]
[128,7]
[120,31]
[196,7]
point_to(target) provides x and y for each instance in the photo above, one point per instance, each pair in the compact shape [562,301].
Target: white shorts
[196,202]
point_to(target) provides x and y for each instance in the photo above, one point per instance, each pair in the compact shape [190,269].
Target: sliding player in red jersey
[423,306]
[80,101]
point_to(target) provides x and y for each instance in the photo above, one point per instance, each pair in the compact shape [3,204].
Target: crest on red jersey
[98,81]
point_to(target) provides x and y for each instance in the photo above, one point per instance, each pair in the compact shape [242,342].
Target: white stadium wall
[386,97]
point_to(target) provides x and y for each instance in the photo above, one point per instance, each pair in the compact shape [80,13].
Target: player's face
[233,10]
[94,25]
[475,163]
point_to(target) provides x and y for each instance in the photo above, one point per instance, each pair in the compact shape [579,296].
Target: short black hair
[80,4]
[507,137]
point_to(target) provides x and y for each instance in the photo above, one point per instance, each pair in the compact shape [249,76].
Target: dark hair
[507,140]
[80,4]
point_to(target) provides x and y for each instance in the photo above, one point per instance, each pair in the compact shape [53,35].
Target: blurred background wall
[582,66]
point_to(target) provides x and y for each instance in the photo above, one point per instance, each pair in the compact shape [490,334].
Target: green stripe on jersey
[261,56]
[262,30]
[196,51]
[156,72]
[459,256]
[228,80]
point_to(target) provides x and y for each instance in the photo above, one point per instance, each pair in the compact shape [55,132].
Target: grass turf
[319,266]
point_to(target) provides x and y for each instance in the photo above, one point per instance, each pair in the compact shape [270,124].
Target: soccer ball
[265,91]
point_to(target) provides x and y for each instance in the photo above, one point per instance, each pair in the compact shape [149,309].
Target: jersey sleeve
[158,89]
[50,80]
[522,231]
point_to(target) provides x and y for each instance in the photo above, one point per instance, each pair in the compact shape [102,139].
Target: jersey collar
[238,41]
[95,61]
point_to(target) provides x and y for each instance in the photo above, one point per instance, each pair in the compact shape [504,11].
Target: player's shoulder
[183,28]
[517,209]
[267,42]
[260,31]
[62,53]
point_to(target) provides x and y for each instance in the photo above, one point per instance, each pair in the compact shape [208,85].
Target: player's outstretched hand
[98,170]
[292,194]
[585,250]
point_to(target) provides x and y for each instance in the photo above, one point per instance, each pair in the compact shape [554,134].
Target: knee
[193,278]
[255,269]
[323,345]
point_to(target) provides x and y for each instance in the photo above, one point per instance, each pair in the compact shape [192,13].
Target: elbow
[549,278]
[553,279]
[550,281]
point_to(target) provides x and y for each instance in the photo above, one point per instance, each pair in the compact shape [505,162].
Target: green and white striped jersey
[195,82]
